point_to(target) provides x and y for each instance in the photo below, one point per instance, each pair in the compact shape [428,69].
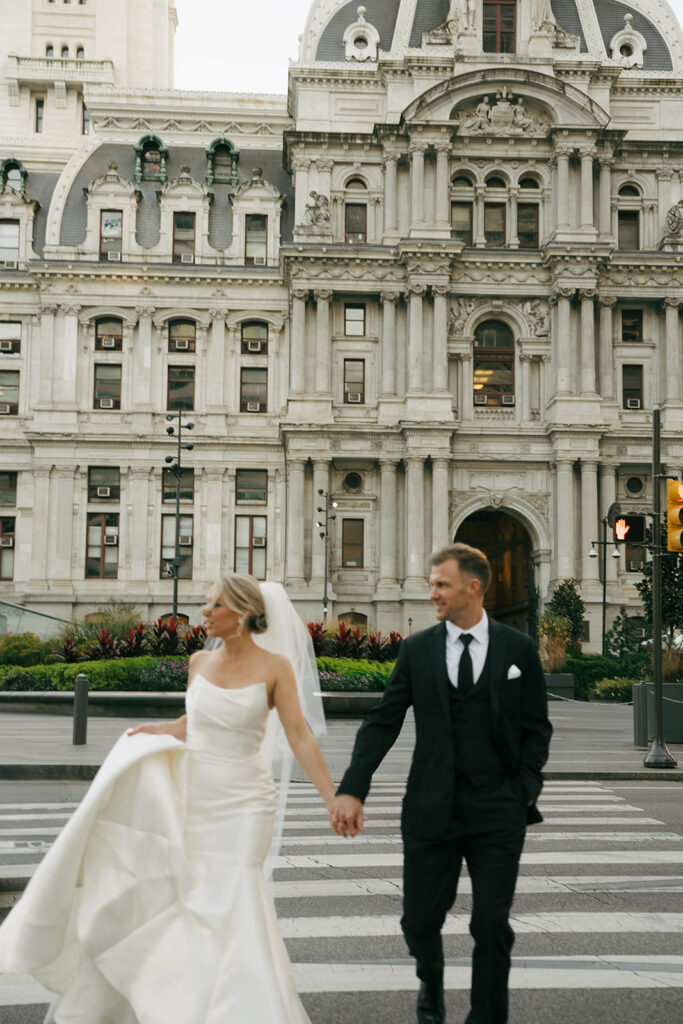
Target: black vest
[474,753]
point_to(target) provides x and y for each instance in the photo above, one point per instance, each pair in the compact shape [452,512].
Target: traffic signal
[629,529]
[674,515]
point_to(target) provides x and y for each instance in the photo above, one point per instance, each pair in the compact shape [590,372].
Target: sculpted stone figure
[542,16]
[480,119]
[458,314]
[318,212]
[520,118]
[674,221]
[537,315]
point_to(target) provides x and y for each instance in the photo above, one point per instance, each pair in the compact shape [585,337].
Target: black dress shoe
[430,1004]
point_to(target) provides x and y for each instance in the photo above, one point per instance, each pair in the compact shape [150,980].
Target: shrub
[393,644]
[43,676]
[347,643]
[194,639]
[321,639]
[164,637]
[117,617]
[588,669]
[614,689]
[105,647]
[624,635]
[24,681]
[165,675]
[353,674]
[68,651]
[134,643]
[566,603]
[554,631]
[24,649]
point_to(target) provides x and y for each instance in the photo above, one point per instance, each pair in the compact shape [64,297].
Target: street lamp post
[603,544]
[324,536]
[172,566]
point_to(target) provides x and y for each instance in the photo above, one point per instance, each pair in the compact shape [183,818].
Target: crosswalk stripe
[543,837]
[395,823]
[388,860]
[310,888]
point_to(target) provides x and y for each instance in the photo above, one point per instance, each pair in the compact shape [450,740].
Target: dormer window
[221,162]
[151,157]
[12,174]
[499,26]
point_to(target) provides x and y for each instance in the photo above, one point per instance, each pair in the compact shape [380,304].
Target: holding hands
[346,815]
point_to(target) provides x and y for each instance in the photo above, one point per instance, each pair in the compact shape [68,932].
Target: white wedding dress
[152,906]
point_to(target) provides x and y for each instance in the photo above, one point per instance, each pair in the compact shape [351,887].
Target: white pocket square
[513,672]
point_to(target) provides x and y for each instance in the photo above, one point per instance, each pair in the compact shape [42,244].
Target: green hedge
[614,689]
[115,674]
[353,674]
[588,669]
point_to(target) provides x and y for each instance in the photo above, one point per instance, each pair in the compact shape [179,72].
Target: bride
[152,906]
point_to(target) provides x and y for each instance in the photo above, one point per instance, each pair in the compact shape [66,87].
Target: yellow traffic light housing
[674,515]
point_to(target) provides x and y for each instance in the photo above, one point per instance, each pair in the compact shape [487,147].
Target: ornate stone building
[439,282]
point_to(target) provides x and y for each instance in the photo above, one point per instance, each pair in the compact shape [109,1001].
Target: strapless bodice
[226,723]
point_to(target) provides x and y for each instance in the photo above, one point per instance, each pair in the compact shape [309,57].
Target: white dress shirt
[478,647]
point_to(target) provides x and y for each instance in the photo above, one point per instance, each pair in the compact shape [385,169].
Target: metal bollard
[80,709]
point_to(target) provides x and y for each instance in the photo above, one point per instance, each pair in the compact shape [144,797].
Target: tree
[625,635]
[567,604]
[672,590]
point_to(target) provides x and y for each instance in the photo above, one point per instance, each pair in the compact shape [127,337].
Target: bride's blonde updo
[243,594]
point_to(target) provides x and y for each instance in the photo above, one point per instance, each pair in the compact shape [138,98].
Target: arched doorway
[512,597]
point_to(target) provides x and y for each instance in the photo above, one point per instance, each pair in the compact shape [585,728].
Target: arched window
[254,338]
[528,215]
[182,336]
[80,53]
[356,213]
[629,217]
[65,52]
[49,50]
[221,162]
[151,157]
[528,182]
[496,182]
[629,190]
[109,334]
[462,208]
[494,364]
[12,173]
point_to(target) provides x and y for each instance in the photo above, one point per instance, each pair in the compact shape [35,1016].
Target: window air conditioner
[633,403]
[254,346]
[106,403]
[10,264]
[508,399]
[108,341]
[185,540]
[634,566]
[6,542]
[110,540]
[353,397]
[4,410]
[6,346]
[481,400]
[103,492]
[182,344]
[114,257]
[259,261]
[187,257]
[253,406]
[259,542]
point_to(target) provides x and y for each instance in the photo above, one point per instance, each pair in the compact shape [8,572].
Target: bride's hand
[155,728]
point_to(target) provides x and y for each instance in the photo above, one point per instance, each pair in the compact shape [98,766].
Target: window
[355,223]
[629,229]
[183,237]
[251,487]
[49,50]
[9,392]
[461,222]
[354,321]
[527,225]
[10,338]
[7,528]
[251,545]
[632,325]
[80,53]
[8,488]
[253,389]
[529,183]
[168,485]
[151,157]
[499,18]
[180,388]
[102,550]
[629,191]
[107,386]
[354,381]
[352,543]
[221,161]
[111,232]
[495,182]
[13,174]
[494,364]
[185,546]
[65,52]
[494,224]
[85,121]
[104,483]
[254,338]
[632,386]
[182,336]
[9,241]
[39,115]
[256,228]
[109,335]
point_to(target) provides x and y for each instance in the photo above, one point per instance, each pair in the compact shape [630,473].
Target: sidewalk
[590,741]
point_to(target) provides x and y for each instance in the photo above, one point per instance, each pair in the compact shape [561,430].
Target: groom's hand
[347,815]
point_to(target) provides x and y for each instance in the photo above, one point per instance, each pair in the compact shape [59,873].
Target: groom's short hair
[471,561]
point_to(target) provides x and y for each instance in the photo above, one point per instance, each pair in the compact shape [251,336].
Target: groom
[481,740]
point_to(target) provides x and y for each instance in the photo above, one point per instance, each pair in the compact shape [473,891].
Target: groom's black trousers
[487,829]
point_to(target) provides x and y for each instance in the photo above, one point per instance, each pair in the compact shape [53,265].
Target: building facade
[437,285]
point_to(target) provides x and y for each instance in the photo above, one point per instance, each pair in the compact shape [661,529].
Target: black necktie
[465,670]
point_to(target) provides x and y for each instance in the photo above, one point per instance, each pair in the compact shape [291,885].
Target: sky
[237,46]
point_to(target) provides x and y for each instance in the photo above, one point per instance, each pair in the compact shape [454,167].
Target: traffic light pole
[659,756]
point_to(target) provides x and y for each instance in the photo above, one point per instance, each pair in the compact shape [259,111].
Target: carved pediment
[502,113]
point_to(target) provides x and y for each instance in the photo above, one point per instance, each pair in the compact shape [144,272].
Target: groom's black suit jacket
[520,730]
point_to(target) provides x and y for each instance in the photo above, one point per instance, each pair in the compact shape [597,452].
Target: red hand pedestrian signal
[629,529]
[621,529]
[674,515]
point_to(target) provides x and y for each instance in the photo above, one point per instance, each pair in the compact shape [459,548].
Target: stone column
[415,340]
[295,522]
[605,193]
[440,510]
[587,341]
[607,346]
[415,555]
[673,349]
[47,342]
[61,504]
[142,359]
[466,403]
[65,383]
[479,228]
[564,517]
[608,495]
[417,184]
[525,404]
[562,157]
[440,348]
[443,213]
[589,518]
[324,176]
[512,214]
[300,166]
[562,297]
[390,192]
[664,178]
[297,343]
[587,214]
[214,377]
[212,499]
[322,342]
[388,512]
[389,300]
[136,501]
[321,482]
[40,514]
